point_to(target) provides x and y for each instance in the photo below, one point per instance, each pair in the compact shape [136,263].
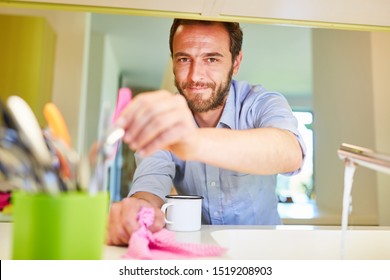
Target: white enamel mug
[183,212]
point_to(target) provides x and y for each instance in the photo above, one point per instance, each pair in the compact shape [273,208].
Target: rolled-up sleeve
[154,174]
[272,110]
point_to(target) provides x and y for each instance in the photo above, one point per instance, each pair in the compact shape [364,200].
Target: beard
[218,95]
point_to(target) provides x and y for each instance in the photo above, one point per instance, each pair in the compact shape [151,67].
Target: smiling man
[219,138]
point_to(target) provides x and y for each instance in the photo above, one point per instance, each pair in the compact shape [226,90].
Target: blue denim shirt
[230,198]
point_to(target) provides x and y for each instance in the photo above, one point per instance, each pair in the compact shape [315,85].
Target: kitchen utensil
[29,129]
[123,98]
[68,162]
[56,123]
[6,119]
[98,181]
[107,145]
[15,163]
[31,134]
[17,171]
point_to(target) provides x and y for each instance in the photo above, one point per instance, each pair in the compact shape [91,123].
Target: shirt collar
[227,118]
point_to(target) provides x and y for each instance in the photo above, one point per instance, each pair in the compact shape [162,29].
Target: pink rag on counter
[144,244]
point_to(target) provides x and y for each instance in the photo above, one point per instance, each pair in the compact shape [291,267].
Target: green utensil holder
[68,226]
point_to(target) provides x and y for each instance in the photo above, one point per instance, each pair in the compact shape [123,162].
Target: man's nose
[197,71]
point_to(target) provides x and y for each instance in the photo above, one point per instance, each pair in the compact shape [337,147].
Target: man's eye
[183,59]
[212,59]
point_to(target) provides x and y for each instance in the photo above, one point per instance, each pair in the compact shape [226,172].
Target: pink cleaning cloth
[144,244]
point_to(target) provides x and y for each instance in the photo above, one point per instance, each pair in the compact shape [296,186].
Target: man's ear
[237,63]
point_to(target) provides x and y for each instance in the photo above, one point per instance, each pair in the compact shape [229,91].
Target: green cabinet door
[27,49]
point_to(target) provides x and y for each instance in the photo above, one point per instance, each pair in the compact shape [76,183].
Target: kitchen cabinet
[27,60]
[344,14]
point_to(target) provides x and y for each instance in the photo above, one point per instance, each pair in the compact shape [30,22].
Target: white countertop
[267,242]
[114,252]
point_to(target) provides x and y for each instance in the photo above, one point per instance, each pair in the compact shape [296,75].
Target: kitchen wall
[380,56]
[344,112]
[101,88]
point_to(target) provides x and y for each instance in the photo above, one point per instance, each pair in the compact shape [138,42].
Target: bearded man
[219,138]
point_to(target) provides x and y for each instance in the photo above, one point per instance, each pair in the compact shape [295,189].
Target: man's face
[202,64]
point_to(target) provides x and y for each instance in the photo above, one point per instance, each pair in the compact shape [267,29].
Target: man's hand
[122,221]
[159,120]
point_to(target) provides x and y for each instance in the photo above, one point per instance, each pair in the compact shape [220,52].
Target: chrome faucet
[364,157]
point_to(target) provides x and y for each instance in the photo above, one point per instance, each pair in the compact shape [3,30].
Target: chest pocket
[234,180]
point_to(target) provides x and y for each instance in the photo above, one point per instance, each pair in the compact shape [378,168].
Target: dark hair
[233,28]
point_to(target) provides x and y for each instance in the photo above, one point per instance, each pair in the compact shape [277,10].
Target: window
[299,188]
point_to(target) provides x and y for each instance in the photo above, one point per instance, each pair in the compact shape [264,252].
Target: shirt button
[216,214]
[212,184]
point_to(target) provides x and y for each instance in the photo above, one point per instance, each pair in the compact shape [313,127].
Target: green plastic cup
[69,226]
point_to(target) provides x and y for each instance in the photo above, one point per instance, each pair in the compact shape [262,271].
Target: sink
[307,243]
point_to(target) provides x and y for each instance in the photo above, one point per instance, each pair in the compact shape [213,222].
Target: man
[219,138]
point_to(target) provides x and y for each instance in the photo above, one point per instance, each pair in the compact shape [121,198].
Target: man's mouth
[197,88]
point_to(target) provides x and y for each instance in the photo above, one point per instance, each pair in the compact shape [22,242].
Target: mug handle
[164,210]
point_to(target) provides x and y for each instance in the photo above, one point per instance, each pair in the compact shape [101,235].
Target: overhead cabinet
[355,14]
